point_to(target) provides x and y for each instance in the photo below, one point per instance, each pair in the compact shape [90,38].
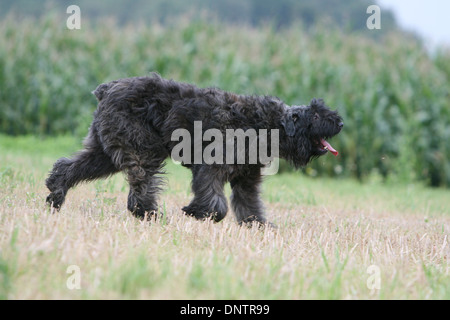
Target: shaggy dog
[132,132]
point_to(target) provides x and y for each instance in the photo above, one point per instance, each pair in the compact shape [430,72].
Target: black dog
[132,132]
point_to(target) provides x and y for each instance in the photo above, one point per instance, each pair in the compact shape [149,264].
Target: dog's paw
[195,212]
[55,200]
[202,214]
[259,222]
[145,214]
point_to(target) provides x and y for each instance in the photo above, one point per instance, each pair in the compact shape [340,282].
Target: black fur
[132,128]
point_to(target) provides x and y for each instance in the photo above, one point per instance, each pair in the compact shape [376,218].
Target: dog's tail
[102,90]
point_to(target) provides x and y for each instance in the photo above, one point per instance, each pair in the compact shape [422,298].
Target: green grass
[392,95]
[329,232]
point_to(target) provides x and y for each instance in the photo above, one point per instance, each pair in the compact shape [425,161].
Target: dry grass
[330,232]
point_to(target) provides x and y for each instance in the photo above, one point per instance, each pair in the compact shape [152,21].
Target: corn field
[392,94]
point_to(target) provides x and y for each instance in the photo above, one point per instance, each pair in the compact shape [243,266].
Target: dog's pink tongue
[329,147]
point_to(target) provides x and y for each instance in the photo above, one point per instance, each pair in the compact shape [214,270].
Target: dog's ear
[317,103]
[288,122]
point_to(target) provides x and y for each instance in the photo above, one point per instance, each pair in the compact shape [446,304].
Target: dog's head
[307,129]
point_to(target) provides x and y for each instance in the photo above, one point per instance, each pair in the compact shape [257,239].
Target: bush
[392,95]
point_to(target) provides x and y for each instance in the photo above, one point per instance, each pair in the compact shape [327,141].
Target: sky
[429,18]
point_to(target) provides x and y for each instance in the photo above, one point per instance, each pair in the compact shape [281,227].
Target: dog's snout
[341,125]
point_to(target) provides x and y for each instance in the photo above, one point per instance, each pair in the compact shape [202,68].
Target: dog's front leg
[209,199]
[245,197]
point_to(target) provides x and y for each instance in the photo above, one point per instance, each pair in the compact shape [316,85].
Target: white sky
[429,18]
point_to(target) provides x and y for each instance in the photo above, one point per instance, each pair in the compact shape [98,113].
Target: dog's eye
[316,116]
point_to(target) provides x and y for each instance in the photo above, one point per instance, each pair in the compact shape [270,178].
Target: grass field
[392,95]
[336,239]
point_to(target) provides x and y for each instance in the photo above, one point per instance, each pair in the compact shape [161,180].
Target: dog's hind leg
[89,164]
[245,197]
[138,150]
[145,185]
